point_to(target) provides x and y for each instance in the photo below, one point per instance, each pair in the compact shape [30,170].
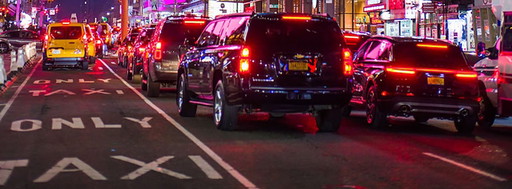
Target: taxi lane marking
[112,62]
[65,162]
[231,170]
[151,166]
[469,168]
[27,125]
[120,92]
[6,168]
[91,91]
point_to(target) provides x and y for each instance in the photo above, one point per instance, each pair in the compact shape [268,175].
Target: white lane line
[237,175]
[112,63]
[472,169]
[9,103]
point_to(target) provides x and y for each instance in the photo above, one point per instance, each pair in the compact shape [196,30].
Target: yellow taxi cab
[66,46]
[91,45]
[106,33]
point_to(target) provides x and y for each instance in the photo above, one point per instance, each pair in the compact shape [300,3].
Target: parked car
[172,37]
[423,78]
[355,39]
[18,38]
[134,61]
[66,46]
[270,62]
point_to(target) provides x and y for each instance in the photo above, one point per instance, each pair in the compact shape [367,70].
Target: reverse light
[296,17]
[244,61]
[158,51]
[432,46]
[348,65]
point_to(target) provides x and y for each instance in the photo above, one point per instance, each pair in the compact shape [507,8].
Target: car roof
[411,39]
[70,24]
[275,15]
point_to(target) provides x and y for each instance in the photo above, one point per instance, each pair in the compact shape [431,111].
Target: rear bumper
[427,106]
[63,62]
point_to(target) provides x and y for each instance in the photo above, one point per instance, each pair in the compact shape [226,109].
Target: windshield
[176,32]
[409,54]
[293,36]
[66,32]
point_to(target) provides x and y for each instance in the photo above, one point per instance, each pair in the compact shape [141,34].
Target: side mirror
[492,53]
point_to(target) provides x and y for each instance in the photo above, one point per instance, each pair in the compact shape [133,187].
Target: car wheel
[421,119]
[465,125]
[486,114]
[85,65]
[92,60]
[129,74]
[185,108]
[144,82]
[374,116]
[225,116]
[4,47]
[329,120]
[153,87]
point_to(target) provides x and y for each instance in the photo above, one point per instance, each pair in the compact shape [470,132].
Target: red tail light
[466,75]
[46,37]
[158,51]
[296,17]
[98,41]
[432,46]
[142,49]
[244,60]
[409,71]
[194,22]
[347,63]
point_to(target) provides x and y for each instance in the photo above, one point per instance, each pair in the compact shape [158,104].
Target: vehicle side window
[360,52]
[234,32]
[379,51]
[217,31]
[206,37]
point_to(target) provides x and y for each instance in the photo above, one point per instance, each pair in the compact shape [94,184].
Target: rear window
[294,36]
[507,39]
[434,56]
[175,32]
[66,32]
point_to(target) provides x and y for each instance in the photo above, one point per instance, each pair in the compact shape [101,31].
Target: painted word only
[62,81]
[28,125]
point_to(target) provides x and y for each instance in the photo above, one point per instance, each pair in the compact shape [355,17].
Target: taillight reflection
[244,61]
[347,63]
[158,51]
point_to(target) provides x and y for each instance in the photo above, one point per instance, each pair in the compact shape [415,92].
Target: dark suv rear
[423,78]
[272,62]
[171,39]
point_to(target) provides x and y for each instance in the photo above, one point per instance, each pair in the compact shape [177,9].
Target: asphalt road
[70,128]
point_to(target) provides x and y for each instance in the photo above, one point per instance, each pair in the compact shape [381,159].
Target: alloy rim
[218,106]
[370,107]
[180,93]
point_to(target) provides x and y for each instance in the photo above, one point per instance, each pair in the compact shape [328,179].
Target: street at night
[92,129]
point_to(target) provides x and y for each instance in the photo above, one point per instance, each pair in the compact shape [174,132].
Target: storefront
[399,18]
[374,9]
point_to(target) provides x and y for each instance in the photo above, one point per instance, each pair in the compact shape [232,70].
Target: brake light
[142,49]
[98,42]
[46,37]
[244,60]
[65,23]
[158,51]
[432,46]
[347,63]
[194,22]
[351,37]
[401,70]
[466,75]
[296,17]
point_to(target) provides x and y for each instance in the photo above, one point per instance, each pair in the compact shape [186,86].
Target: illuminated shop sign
[373,2]
[374,8]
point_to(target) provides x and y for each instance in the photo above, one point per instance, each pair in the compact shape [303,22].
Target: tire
[374,116]
[486,114]
[4,48]
[153,87]
[466,125]
[129,74]
[185,108]
[85,65]
[144,82]
[45,67]
[225,116]
[92,60]
[420,119]
[329,120]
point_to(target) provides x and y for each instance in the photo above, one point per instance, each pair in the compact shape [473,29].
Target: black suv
[134,61]
[172,38]
[272,62]
[423,78]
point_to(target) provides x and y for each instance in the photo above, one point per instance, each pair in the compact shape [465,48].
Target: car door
[360,76]
[374,60]
[196,58]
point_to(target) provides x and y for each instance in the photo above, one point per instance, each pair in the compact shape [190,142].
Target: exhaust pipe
[463,112]
[405,109]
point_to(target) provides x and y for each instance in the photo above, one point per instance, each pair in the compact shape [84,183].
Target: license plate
[56,51]
[435,81]
[297,66]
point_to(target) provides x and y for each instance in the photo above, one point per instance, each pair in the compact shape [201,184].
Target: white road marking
[146,167]
[100,68]
[231,170]
[65,162]
[6,168]
[143,123]
[469,168]
[36,125]
[9,103]
[207,169]
[75,124]
[98,123]
[92,91]
[120,92]
[110,62]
